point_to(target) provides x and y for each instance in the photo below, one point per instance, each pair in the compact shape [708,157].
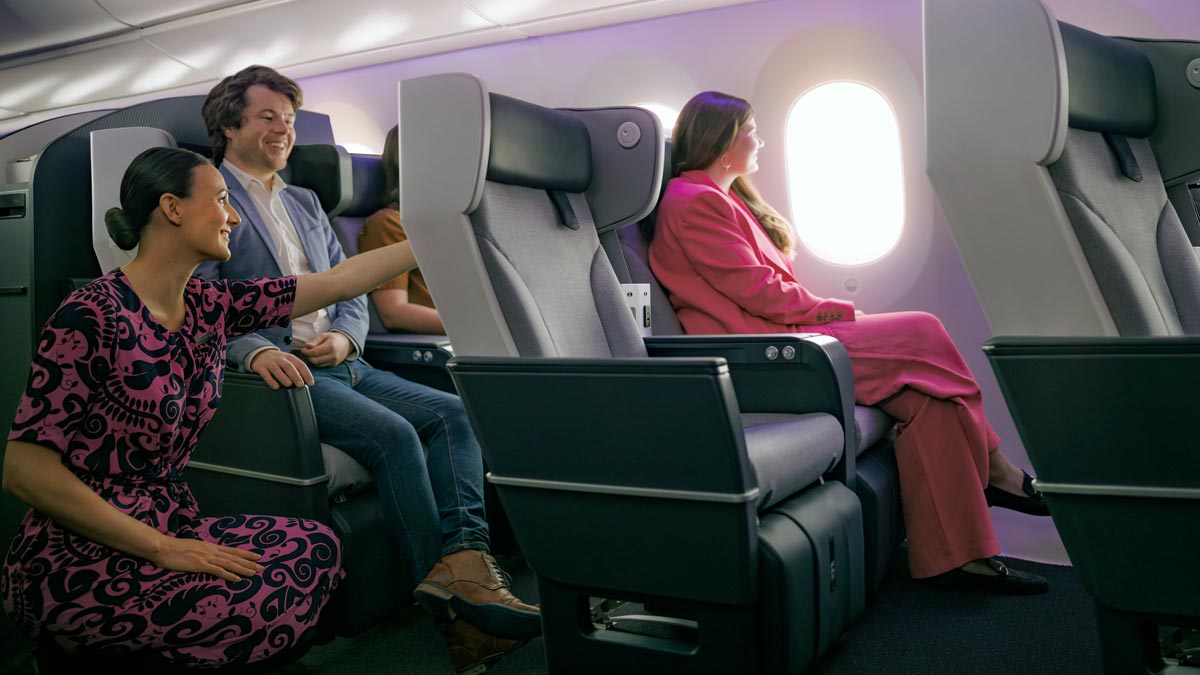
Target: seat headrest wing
[369,185]
[324,169]
[1110,84]
[537,147]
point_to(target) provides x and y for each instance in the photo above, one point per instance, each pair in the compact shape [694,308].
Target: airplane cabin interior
[674,501]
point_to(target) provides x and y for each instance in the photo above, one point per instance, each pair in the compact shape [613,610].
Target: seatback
[112,150]
[363,180]
[528,274]
[1109,183]
[1092,245]
[366,175]
[634,266]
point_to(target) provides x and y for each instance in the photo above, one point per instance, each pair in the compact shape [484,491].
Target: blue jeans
[432,504]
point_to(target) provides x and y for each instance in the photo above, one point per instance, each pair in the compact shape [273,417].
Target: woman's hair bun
[120,229]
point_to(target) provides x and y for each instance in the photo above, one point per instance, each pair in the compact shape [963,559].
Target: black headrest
[1110,85]
[324,169]
[538,147]
[369,183]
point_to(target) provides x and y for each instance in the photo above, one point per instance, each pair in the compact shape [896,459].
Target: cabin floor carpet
[908,629]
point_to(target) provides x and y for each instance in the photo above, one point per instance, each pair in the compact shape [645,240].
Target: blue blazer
[255,256]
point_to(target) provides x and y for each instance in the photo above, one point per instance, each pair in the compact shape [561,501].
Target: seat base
[374,586]
[878,488]
[1129,643]
[810,587]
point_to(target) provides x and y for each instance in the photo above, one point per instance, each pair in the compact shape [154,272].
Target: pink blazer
[721,271]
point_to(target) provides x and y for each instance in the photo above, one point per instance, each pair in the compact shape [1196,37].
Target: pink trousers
[906,364]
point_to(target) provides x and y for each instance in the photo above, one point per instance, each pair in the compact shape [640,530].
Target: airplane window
[666,115]
[845,176]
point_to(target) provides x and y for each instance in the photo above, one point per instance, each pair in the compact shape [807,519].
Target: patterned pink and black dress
[124,400]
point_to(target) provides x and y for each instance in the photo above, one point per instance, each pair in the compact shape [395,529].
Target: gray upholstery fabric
[872,424]
[554,284]
[636,251]
[346,476]
[1130,234]
[790,452]
[1182,270]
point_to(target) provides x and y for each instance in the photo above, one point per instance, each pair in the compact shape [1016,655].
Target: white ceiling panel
[109,72]
[303,31]
[448,43]
[508,12]
[27,25]
[6,114]
[188,42]
[614,13]
[148,12]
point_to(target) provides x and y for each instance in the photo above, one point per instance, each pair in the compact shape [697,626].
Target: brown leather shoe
[472,651]
[471,584]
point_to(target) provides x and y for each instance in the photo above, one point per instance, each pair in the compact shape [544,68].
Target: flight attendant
[113,556]
[725,257]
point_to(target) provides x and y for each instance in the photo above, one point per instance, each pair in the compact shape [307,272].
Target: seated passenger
[432,503]
[113,555]
[404,303]
[725,257]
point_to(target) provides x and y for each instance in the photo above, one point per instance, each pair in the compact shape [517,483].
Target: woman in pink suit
[724,256]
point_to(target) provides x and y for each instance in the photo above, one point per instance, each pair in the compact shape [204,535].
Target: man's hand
[281,369]
[326,350]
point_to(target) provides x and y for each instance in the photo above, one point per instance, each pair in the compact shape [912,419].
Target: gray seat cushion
[790,452]
[346,476]
[873,424]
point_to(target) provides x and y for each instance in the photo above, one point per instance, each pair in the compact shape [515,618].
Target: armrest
[1104,411]
[262,438]
[420,358]
[788,373]
[608,412]
[1110,425]
[615,473]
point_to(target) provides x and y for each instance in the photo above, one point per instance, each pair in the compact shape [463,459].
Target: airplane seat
[878,484]
[415,357]
[1058,204]
[656,480]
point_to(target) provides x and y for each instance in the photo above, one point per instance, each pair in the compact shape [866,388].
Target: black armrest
[1135,395]
[260,453]
[788,373]
[420,358]
[616,472]
[1110,426]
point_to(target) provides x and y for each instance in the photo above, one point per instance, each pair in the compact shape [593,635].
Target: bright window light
[845,176]
[666,115]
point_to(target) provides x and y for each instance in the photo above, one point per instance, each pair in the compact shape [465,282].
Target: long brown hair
[391,168]
[705,130]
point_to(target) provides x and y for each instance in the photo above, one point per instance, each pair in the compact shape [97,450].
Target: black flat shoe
[1032,503]
[1006,581]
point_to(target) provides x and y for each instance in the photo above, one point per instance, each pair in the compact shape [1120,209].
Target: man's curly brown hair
[223,108]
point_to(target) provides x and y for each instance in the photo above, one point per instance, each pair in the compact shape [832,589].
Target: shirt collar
[246,180]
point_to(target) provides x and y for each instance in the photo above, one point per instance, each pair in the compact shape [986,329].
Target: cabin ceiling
[67,53]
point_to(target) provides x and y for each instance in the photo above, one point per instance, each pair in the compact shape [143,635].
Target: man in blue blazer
[434,504]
